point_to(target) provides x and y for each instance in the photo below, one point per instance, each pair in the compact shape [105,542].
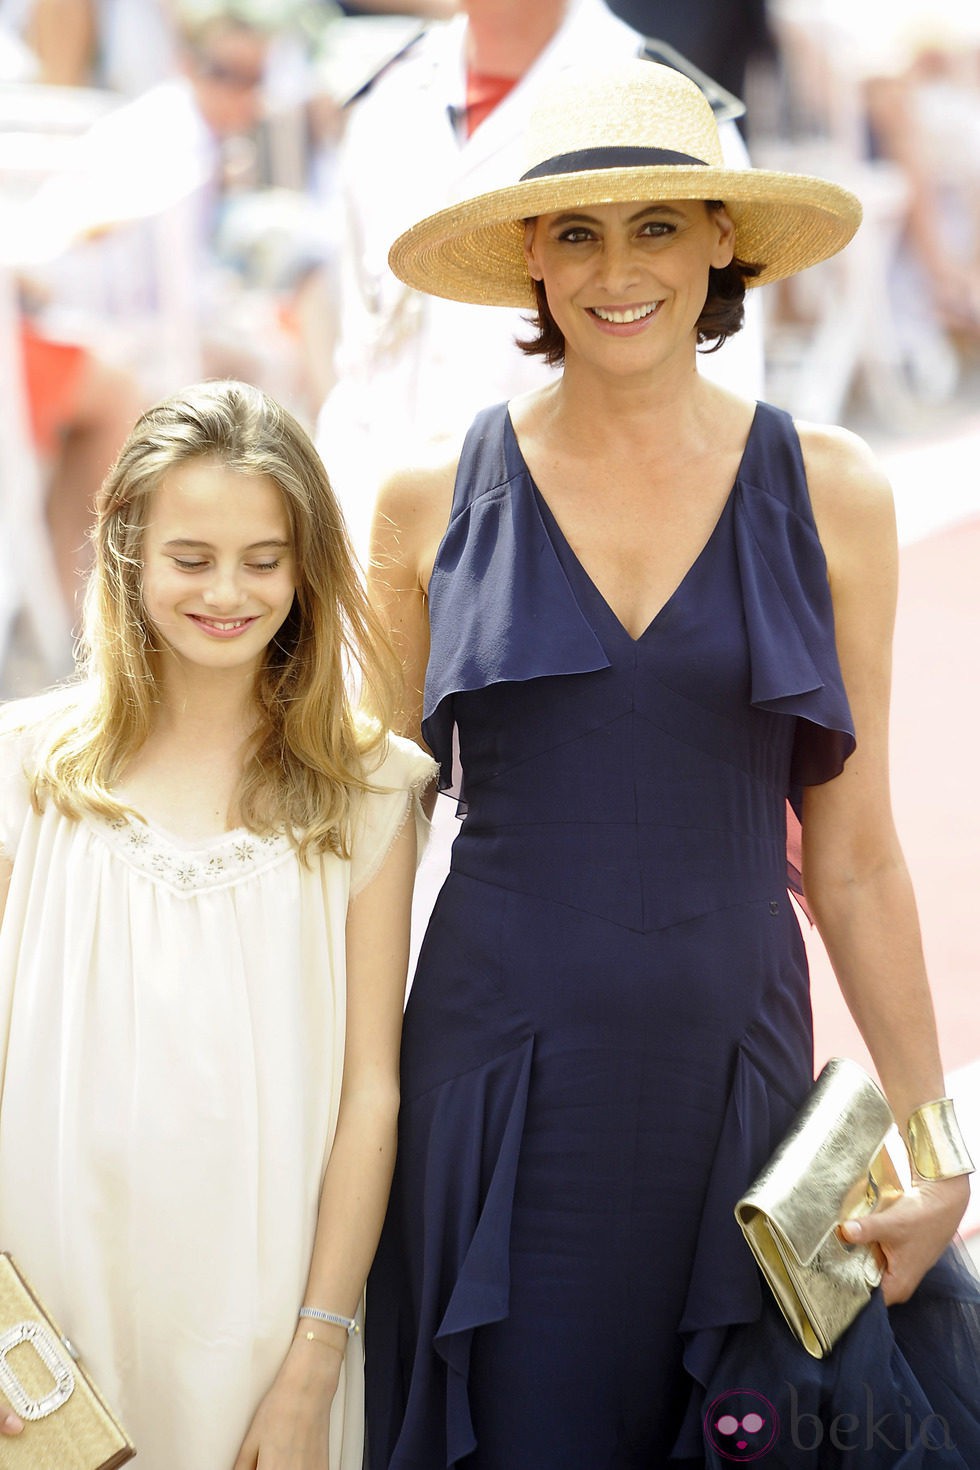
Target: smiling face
[626,283]
[218,567]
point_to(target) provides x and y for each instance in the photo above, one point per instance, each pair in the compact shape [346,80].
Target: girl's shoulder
[27,724]
[395,764]
[397,771]
[26,729]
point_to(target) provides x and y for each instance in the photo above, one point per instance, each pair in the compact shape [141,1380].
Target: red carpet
[935,724]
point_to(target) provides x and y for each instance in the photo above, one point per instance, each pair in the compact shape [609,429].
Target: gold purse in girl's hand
[831,1167]
[67,1425]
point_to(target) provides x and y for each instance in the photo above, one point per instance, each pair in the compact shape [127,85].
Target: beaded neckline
[191,867]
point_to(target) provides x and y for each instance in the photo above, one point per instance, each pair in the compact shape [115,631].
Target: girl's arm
[10,1423]
[290,1430]
[854,873]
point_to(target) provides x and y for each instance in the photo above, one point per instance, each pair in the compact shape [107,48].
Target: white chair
[29,588]
[73,166]
[844,324]
[36,125]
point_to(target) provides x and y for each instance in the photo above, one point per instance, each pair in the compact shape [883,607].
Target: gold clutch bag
[831,1167]
[67,1425]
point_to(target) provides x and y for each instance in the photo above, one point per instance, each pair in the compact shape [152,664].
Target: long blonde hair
[328,684]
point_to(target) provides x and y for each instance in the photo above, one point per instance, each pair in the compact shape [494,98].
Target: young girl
[203,953]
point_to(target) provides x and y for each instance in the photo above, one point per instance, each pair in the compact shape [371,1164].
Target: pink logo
[741,1425]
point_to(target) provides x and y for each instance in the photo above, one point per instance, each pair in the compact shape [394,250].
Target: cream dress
[172,1025]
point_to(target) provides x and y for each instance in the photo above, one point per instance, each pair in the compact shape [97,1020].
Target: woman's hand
[291,1427]
[912,1234]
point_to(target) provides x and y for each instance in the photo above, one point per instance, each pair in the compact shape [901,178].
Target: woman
[622,602]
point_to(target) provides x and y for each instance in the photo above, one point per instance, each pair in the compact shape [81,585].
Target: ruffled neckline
[502,608]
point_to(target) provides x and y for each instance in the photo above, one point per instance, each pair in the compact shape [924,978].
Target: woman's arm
[409,522]
[854,873]
[291,1427]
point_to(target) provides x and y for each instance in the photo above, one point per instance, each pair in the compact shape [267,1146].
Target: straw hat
[636,131]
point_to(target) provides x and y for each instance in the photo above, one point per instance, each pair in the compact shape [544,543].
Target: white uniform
[413,368]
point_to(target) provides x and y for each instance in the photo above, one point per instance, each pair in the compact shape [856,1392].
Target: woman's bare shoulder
[420,493]
[411,515]
[849,490]
[841,467]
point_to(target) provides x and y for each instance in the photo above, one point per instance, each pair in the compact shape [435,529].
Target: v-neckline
[552,523]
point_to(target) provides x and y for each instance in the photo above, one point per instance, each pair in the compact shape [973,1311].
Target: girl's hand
[912,1234]
[291,1427]
[10,1423]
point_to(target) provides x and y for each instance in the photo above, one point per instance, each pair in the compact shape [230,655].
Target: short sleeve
[18,744]
[400,779]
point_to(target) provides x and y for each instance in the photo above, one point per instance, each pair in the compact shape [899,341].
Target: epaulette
[358,66]
[724,104]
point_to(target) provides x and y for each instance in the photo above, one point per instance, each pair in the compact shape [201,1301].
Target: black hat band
[584,159]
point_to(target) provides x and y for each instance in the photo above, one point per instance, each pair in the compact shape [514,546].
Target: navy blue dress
[609,1028]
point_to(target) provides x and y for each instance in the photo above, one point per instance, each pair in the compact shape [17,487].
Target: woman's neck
[669,406]
[505,37]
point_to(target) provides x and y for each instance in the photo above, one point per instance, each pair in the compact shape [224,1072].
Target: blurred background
[197,188]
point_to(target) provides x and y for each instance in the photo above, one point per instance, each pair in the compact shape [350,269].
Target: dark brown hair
[721,316]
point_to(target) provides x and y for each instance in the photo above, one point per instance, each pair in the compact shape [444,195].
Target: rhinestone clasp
[49,1350]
